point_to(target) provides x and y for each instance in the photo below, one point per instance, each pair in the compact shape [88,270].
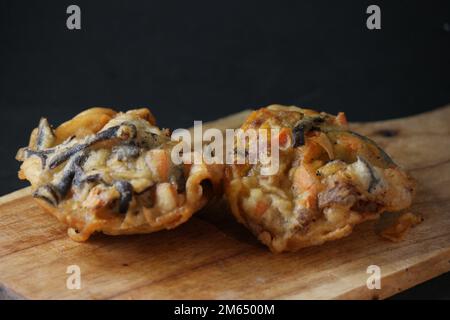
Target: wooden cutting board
[213,257]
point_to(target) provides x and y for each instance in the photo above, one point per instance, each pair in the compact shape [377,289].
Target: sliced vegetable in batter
[330,179]
[112,172]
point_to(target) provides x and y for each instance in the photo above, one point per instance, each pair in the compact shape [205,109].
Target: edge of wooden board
[15,195]
[429,269]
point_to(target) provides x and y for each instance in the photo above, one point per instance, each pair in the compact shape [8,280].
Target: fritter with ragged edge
[329,180]
[112,172]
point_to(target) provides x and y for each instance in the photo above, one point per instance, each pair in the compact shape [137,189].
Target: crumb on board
[397,231]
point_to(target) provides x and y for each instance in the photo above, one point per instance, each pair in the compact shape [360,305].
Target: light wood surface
[211,256]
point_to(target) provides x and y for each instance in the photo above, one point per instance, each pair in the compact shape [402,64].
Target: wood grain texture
[212,256]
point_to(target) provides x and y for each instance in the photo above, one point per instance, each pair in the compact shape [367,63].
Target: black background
[199,60]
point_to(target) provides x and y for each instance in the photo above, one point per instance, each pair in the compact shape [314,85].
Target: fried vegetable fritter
[329,180]
[112,172]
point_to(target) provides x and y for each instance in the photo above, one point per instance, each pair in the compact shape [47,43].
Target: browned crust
[82,222]
[317,231]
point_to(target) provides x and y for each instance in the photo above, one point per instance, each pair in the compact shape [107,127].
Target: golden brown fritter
[329,180]
[112,172]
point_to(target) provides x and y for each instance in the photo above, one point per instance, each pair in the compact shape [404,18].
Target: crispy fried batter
[112,172]
[330,179]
